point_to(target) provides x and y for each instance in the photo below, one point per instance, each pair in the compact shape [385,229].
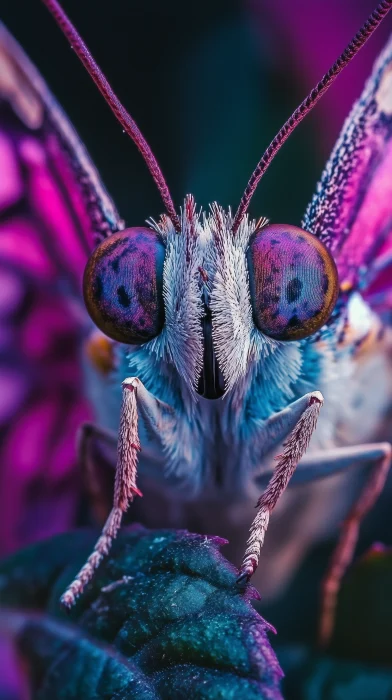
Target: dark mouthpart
[211,383]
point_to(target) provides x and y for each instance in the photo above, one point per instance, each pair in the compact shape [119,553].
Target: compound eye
[293,282]
[123,286]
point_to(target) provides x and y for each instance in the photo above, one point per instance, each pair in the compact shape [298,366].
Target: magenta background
[306,37]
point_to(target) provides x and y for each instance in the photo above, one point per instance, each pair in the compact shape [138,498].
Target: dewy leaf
[162,618]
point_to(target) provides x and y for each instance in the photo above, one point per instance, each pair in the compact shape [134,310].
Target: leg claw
[245,574]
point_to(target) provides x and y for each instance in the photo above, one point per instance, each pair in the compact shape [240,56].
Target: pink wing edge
[53,209]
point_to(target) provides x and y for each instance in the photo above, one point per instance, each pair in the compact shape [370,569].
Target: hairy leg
[124,491]
[161,422]
[294,449]
[321,465]
[379,457]
[96,448]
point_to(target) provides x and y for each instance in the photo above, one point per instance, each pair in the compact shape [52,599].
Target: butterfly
[223,329]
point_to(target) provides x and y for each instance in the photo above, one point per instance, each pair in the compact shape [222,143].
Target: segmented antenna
[125,119]
[307,105]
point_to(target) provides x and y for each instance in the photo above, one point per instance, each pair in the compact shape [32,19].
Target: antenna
[307,105]
[119,111]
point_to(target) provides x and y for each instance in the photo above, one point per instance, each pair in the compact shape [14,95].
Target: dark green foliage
[363,628]
[332,679]
[358,662]
[163,618]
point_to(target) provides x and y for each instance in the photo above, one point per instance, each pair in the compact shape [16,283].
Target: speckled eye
[122,286]
[293,282]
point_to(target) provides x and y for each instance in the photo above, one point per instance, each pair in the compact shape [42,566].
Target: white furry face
[206,274]
[182,338]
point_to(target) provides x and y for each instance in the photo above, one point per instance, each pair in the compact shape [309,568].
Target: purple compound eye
[293,282]
[123,283]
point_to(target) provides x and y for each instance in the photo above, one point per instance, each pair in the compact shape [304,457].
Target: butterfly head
[208,299]
[259,287]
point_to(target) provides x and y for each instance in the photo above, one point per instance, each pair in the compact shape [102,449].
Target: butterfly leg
[294,448]
[377,455]
[96,448]
[321,465]
[134,395]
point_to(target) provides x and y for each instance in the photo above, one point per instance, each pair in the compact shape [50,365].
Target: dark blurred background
[209,83]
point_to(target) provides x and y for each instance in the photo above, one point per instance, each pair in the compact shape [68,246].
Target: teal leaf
[163,618]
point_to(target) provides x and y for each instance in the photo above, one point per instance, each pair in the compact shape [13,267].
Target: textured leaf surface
[163,618]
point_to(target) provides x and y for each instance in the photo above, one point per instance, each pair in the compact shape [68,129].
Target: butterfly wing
[53,209]
[351,211]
